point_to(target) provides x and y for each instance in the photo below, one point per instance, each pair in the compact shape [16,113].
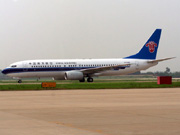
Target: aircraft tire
[19,81]
[90,79]
[83,80]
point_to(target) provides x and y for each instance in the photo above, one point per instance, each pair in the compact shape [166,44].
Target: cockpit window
[14,66]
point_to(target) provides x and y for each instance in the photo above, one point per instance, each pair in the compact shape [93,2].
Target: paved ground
[91,112]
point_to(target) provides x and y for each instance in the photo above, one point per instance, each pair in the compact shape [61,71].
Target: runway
[91,112]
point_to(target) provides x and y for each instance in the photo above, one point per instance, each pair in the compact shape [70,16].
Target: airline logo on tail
[151,45]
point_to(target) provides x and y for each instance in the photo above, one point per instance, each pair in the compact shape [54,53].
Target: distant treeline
[173,74]
[157,73]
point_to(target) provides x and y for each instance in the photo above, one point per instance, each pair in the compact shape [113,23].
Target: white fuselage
[57,68]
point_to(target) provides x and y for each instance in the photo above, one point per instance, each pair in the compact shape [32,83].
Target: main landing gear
[83,80]
[89,79]
[19,81]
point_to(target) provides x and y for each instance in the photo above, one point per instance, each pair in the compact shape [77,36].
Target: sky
[72,29]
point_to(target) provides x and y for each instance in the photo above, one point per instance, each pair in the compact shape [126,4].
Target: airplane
[79,69]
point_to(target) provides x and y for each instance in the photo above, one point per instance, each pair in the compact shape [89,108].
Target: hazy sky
[66,29]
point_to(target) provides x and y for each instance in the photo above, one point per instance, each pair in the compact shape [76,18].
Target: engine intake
[73,75]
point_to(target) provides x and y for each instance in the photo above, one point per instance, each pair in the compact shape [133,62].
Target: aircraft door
[25,66]
[137,65]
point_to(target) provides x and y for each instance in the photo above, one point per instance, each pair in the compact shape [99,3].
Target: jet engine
[73,75]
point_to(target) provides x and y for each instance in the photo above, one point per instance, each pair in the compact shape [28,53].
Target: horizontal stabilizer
[159,60]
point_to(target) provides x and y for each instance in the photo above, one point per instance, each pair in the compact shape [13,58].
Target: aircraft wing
[159,60]
[100,69]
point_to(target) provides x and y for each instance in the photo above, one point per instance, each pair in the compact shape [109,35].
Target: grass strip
[105,85]
[119,85]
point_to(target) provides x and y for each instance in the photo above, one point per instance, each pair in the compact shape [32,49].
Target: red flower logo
[151,46]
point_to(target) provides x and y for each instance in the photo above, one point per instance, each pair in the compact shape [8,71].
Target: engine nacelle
[73,75]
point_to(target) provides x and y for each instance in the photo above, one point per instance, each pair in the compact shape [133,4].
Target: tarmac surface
[91,112]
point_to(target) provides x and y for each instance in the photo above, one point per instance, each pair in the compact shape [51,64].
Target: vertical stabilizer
[149,50]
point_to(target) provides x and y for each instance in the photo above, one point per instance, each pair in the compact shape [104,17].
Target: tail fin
[149,50]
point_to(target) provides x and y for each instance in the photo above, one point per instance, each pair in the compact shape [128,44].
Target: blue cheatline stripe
[22,70]
[52,69]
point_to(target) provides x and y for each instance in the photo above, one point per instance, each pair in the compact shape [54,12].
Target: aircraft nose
[4,71]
